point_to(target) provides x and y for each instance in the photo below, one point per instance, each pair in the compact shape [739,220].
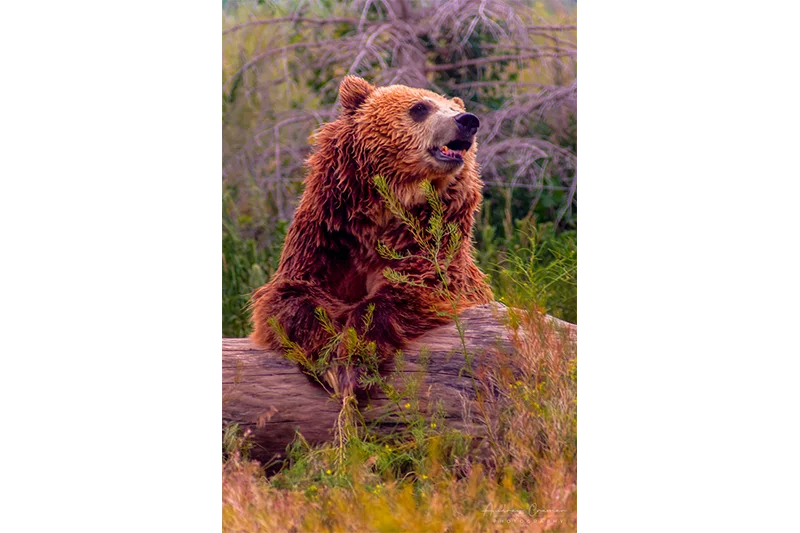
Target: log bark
[269,395]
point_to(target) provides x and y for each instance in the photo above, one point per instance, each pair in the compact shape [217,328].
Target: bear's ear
[353,92]
[459,101]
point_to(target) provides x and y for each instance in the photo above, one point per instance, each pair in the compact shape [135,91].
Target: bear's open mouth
[452,152]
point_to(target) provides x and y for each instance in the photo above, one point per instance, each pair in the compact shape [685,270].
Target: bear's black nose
[467,123]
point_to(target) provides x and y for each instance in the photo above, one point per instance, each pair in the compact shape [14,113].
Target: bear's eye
[419,111]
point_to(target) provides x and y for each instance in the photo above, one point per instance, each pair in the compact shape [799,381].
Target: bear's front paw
[374,323]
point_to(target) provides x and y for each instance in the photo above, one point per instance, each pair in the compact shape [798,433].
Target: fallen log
[265,393]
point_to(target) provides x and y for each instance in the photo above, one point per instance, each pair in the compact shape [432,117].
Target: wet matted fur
[330,257]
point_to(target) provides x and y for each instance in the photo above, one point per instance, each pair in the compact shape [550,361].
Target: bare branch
[553,28]
[487,60]
[276,51]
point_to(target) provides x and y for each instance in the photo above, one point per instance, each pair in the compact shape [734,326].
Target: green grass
[537,266]
[246,265]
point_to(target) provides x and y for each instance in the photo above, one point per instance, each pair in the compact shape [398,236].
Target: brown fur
[329,258]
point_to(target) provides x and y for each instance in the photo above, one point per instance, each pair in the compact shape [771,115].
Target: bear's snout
[453,145]
[468,123]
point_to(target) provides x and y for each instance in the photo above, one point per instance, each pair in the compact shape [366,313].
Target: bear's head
[408,135]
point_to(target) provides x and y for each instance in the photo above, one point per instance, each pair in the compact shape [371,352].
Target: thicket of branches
[513,62]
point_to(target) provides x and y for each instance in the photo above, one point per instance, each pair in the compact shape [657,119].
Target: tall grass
[536,266]
[247,264]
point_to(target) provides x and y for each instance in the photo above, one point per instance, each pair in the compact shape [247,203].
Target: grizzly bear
[330,259]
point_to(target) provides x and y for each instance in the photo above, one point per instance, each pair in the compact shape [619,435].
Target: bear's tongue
[455,154]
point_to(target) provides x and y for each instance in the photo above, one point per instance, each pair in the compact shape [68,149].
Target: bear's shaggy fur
[330,257]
